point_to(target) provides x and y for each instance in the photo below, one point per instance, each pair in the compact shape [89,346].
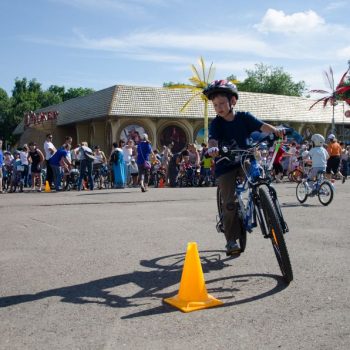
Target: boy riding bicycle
[319,156]
[230,128]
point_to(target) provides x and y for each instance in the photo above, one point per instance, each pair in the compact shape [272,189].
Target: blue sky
[100,43]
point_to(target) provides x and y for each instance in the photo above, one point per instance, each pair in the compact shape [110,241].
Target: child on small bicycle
[319,156]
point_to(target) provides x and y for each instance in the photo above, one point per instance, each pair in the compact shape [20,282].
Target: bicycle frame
[251,212]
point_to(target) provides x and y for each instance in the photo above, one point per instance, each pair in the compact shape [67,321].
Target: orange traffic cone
[47,187]
[192,294]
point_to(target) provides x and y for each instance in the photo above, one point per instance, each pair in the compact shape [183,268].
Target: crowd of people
[127,164]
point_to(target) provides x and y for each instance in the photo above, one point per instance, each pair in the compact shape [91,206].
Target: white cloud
[299,22]
[344,53]
[335,5]
[137,43]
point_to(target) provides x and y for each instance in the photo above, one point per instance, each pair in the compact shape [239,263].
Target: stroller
[17,177]
[7,171]
[72,180]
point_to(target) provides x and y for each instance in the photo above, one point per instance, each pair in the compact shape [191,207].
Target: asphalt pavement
[89,270]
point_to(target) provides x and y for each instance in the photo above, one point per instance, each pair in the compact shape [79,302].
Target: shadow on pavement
[164,272]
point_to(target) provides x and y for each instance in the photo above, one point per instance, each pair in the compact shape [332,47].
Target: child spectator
[134,172]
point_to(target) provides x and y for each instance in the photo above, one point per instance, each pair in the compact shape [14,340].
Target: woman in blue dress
[118,166]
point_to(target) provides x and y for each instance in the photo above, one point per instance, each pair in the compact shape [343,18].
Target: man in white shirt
[49,150]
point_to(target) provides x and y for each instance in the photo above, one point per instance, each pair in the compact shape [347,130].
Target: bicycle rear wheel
[325,193]
[243,238]
[276,234]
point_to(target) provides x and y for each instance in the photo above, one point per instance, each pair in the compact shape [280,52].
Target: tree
[200,79]
[29,96]
[271,80]
[76,92]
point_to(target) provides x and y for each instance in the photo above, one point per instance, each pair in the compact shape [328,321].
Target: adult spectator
[144,151]
[333,163]
[23,154]
[174,167]
[36,159]
[49,150]
[344,160]
[58,162]
[99,163]
[85,155]
[118,165]
[69,140]
[1,164]
[128,152]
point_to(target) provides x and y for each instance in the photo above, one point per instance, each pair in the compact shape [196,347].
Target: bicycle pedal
[220,228]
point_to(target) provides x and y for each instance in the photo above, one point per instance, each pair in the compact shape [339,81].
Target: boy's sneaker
[232,248]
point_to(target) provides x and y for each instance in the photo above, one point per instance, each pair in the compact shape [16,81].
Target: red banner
[31,118]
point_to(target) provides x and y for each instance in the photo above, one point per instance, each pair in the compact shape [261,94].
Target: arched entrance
[175,135]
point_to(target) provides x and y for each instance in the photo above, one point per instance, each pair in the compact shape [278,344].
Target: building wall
[107,130]
[37,133]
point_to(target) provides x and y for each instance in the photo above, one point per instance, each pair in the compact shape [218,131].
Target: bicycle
[300,171]
[322,188]
[260,206]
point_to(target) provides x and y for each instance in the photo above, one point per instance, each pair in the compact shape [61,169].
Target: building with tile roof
[121,112]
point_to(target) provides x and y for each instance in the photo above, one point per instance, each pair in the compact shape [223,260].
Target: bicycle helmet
[317,139]
[221,86]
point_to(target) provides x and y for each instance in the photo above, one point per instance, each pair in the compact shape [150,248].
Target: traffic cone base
[192,294]
[47,187]
[188,306]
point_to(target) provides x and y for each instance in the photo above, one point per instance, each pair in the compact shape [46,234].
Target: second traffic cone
[47,187]
[193,293]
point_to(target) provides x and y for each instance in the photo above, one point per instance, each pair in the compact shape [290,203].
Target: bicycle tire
[276,234]
[325,193]
[277,206]
[241,240]
[301,192]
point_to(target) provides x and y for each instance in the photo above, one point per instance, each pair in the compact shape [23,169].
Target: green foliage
[29,96]
[170,84]
[271,80]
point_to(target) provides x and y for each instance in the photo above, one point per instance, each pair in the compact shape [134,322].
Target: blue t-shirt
[233,133]
[1,158]
[144,149]
[56,158]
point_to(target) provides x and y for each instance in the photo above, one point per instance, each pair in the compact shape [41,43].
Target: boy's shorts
[314,171]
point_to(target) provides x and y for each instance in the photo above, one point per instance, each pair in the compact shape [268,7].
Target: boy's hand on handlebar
[279,132]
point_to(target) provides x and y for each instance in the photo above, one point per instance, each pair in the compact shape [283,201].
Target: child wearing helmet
[230,127]
[318,154]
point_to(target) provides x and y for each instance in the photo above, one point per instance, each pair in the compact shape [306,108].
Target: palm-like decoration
[340,92]
[200,79]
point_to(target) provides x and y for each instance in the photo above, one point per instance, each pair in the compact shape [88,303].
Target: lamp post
[333,123]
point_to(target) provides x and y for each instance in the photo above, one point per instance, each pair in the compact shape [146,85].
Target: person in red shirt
[277,163]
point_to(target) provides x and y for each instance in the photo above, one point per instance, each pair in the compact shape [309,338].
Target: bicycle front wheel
[301,192]
[325,193]
[276,234]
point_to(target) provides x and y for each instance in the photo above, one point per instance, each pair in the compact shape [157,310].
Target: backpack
[115,157]
[88,155]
